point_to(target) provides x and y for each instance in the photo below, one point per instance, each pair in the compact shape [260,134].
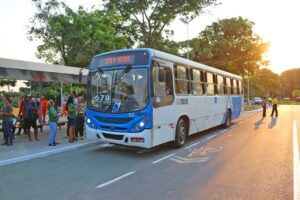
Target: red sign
[118,60]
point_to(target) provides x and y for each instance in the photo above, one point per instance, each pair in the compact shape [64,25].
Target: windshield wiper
[116,80]
[125,71]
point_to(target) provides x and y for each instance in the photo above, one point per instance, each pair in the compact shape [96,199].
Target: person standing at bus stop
[80,108]
[44,108]
[30,117]
[274,107]
[53,118]
[264,105]
[7,122]
[71,119]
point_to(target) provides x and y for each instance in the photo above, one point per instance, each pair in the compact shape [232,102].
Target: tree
[296,93]
[267,83]
[8,83]
[74,36]
[230,45]
[290,81]
[146,20]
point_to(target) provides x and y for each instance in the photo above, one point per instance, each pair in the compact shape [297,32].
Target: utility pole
[187,40]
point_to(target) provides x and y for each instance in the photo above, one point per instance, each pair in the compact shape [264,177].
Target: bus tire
[181,133]
[227,122]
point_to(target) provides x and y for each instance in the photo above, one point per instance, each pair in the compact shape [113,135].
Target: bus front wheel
[181,133]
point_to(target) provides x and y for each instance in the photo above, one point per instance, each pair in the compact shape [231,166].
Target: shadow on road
[258,123]
[272,122]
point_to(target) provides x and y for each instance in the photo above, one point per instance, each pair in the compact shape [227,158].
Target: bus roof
[177,60]
[183,61]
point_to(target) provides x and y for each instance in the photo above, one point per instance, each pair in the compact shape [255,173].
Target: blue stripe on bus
[237,103]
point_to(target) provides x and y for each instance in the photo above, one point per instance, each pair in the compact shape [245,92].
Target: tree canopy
[230,45]
[146,20]
[267,83]
[74,36]
[290,81]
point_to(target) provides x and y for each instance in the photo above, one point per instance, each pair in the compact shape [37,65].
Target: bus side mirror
[161,75]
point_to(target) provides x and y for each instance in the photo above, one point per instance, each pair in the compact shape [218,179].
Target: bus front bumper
[141,139]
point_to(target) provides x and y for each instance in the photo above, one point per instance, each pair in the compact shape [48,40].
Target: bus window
[203,80]
[228,86]
[220,84]
[181,80]
[196,82]
[162,87]
[240,88]
[235,87]
[231,87]
[210,84]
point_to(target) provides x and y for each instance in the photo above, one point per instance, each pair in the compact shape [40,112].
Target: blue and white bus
[144,98]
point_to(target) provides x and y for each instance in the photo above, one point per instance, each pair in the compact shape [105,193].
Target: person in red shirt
[44,108]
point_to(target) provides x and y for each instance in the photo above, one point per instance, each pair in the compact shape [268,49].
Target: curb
[46,153]
[252,111]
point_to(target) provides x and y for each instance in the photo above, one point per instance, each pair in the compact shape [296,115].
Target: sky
[275,21]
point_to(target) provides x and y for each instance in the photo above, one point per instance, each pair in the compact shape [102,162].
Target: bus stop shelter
[41,72]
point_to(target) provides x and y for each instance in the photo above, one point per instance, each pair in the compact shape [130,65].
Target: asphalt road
[254,159]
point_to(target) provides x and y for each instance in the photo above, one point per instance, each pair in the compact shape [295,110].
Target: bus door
[163,98]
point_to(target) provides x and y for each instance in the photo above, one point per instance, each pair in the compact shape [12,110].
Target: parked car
[257,100]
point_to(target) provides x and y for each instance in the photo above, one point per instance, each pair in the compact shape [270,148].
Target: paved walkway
[24,150]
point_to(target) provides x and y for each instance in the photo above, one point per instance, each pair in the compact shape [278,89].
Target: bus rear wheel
[227,122]
[181,133]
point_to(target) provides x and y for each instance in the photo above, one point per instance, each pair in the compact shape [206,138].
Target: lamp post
[187,40]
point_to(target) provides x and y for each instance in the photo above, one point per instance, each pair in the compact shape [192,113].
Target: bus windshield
[119,91]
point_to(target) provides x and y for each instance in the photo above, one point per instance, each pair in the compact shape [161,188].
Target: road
[253,159]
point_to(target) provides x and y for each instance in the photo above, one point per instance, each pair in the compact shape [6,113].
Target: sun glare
[284,52]
[282,31]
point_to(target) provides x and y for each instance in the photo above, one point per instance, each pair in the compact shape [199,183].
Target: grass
[251,107]
[289,102]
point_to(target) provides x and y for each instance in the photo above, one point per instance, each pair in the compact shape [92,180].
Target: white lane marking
[163,158]
[192,145]
[212,136]
[225,130]
[296,163]
[115,180]
[188,161]
[43,154]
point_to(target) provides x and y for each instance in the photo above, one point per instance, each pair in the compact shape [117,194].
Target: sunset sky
[275,21]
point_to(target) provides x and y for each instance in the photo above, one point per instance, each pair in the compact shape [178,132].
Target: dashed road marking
[182,160]
[212,136]
[115,180]
[163,158]
[192,145]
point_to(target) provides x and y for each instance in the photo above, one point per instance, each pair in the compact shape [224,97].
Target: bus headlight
[142,124]
[90,123]
[139,126]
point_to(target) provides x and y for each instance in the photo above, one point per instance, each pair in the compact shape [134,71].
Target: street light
[187,40]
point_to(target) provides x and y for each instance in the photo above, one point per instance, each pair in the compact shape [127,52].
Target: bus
[144,97]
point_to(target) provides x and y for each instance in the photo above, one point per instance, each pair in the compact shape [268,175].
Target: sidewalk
[23,150]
